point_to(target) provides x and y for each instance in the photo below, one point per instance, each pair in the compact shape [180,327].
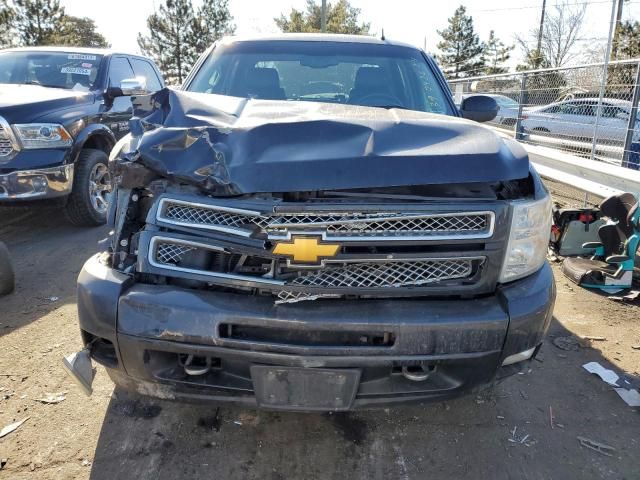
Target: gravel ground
[506,433]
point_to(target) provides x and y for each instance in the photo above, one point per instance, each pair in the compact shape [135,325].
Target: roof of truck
[316,37]
[81,50]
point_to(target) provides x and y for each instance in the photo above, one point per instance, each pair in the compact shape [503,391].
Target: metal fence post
[633,114]
[522,100]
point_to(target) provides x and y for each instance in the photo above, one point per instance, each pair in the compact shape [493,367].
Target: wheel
[89,199]
[7,277]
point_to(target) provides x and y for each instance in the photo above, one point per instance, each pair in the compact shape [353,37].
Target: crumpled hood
[24,103]
[228,145]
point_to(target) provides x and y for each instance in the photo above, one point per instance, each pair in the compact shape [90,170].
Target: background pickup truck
[311,224]
[62,110]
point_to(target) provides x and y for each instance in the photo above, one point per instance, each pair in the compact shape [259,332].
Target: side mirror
[479,108]
[129,87]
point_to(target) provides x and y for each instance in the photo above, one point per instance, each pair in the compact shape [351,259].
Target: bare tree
[560,33]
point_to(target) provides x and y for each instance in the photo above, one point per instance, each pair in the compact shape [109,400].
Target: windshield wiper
[389,106]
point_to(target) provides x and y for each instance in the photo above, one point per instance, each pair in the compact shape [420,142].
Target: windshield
[348,73]
[68,70]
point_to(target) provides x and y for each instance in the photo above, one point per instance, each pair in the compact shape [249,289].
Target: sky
[412,21]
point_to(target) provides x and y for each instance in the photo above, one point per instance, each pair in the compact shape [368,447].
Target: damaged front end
[384,281]
[191,213]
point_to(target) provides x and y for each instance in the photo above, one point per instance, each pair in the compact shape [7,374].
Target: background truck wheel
[7,277]
[89,200]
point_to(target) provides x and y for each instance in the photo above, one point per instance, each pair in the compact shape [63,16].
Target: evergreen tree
[497,53]
[170,39]
[178,35]
[628,40]
[212,21]
[462,50]
[37,20]
[7,32]
[78,32]
[341,18]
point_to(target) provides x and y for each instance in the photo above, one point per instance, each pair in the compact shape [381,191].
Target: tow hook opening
[419,372]
[197,365]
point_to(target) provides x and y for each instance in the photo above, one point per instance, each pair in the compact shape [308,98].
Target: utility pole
[323,16]
[540,31]
[614,47]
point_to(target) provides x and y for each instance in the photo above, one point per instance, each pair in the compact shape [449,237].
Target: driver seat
[611,267]
[370,81]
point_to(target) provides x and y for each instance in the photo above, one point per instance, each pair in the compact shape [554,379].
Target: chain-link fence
[587,110]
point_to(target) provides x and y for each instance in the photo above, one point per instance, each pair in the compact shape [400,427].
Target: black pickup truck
[311,224]
[61,112]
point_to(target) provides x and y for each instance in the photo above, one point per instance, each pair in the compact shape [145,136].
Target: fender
[95,134]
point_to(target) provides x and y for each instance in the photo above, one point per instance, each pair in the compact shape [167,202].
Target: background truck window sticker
[78,56]
[76,70]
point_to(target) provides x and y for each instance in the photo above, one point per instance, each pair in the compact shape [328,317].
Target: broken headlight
[528,239]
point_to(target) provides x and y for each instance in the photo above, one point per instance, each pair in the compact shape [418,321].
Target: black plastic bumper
[141,333]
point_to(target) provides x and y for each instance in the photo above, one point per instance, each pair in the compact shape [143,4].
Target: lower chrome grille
[387,274]
[353,277]
[378,275]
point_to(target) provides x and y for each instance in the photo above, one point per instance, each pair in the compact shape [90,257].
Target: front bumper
[36,184]
[140,332]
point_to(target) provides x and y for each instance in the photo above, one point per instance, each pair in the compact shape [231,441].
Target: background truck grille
[335,225]
[6,147]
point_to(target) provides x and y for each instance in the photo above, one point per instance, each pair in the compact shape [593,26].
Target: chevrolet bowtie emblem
[306,250]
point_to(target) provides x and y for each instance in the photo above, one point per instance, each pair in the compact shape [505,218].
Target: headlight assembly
[528,239]
[42,135]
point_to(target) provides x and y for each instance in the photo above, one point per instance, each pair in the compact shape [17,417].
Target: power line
[529,7]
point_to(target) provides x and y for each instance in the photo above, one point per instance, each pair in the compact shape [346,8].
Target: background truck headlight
[528,239]
[42,135]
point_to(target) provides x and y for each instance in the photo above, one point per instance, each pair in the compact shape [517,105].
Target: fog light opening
[518,357]
[39,183]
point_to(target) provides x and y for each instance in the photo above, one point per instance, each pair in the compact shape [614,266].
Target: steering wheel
[381,99]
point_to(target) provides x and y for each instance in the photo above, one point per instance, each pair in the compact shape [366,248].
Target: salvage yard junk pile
[288,232]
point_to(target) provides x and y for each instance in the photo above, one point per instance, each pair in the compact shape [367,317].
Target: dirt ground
[503,434]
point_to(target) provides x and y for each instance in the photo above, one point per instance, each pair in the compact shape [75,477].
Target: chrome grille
[171,253]
[458,223]
[6,147]
[334,225]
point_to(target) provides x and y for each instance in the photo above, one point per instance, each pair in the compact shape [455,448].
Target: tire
[7,277]
[84,208]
